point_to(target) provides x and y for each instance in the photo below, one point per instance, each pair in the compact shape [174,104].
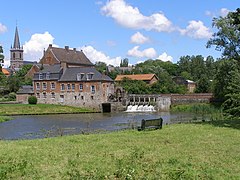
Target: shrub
[12,96]
[32,100]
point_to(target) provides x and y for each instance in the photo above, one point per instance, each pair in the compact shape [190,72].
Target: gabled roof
[25,90]
[142,77]
[70,74]
[69,56]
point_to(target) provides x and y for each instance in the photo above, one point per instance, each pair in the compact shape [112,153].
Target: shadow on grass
[235,124]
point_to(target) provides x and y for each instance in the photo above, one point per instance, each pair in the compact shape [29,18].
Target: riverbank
[39,109]
[180,151]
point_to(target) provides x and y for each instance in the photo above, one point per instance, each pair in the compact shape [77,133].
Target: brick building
[66,76]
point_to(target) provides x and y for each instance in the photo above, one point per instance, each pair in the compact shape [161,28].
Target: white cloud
[96,56]
[224,12]
[148,53]
[165,57]
[197,30]
[33,49]
[3,28]
[131,17]
[138,38]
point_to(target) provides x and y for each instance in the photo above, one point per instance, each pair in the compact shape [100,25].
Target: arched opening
[106,107]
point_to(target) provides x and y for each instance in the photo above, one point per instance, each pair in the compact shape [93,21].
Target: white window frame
[44,85]
[38,86]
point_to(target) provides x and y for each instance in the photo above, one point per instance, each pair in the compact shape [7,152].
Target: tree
[227,39]
[231,106]
[223,77]
[124,62]
[1,58]
[101,66]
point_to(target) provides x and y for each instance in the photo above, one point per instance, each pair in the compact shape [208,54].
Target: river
[41,126]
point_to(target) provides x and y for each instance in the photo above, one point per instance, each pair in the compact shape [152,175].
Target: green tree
[222,78]
[231,106]
[101,67]
[13,83]
[228,35]
[124,62]
[1,58]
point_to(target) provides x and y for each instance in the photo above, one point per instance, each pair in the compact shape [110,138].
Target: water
[140,108]
[40,126]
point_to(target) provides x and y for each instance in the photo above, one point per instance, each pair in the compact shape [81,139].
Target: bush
[12,96]
[32,100]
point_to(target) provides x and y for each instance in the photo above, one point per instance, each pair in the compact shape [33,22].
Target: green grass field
[19,109]
[208,150]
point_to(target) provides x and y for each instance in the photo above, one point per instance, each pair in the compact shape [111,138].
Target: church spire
[16,44]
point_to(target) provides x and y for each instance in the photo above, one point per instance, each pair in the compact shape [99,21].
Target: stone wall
[190,98]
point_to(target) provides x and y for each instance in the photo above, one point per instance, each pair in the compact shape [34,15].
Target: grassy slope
[15,109]
[187,151]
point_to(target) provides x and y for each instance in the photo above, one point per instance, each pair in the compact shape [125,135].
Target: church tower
[16,53]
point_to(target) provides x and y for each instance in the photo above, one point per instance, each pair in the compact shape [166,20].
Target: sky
[111,30]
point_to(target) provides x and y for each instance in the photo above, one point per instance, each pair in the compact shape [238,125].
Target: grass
[4,118]
[180,151]
[19,109]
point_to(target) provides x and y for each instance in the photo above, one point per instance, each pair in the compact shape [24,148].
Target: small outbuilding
[23,93]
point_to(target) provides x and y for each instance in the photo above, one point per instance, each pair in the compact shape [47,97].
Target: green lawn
[210,150]
[18,109]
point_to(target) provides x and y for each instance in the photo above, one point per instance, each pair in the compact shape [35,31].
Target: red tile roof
[5,71]
[142,77]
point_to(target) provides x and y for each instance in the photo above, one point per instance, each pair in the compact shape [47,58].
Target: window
[53,95]
[13,55]
[82,97]
[92,97]
[68,87]
[62,87]
[37,86]
[44,85]
[92,89]
[48,75]
[80,76]
[61,98]
[44,95]
[89,76]
[80,87]
[73,87]
[53,86]
[40,76]
[38,95]
[75,97]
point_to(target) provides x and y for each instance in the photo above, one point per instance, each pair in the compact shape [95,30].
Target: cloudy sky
[110,30]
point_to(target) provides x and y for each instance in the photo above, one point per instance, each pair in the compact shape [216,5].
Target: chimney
[67,48]
[74,49]
[50,45]
[44,51]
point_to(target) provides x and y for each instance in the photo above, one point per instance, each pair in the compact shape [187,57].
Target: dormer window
[90,76]
[80,76]
[40,76]
[48,75]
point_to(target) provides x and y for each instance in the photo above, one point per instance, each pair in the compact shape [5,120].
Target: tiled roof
[54,71]
[142,77]
[71,74]
[5,71]
[70,56]
[25,90]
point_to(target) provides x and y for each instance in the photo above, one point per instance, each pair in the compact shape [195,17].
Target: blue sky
[110,30]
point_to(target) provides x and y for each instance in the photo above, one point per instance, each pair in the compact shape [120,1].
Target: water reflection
[40,126]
